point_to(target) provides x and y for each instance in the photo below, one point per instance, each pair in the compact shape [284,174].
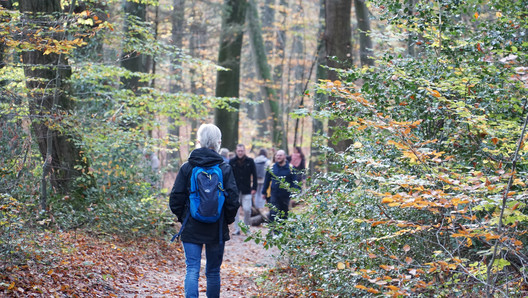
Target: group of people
[247,182]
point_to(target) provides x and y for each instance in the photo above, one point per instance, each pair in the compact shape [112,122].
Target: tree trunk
[298,54]
[320,100]
[48,100]
[7,5]
[270,108]
[365,42]
[228,82]
[178,18]
[133,61]
[338,46]
[410,38]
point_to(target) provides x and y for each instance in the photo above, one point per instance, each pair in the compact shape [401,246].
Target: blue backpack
[206,196]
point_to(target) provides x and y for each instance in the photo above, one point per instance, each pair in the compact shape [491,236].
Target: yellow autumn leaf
[361,287]
[435,93]
[386,200]
[394,288]
[498,14]
[358,145]
[469,242]
[341,266]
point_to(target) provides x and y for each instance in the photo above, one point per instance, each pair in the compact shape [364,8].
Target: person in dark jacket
[280,196]
[196,234]
[247,182]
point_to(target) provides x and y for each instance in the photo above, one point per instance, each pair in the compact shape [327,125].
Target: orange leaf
[361,287]
[386,200]
[394,288]
[408,260]
[406,248]
[476,15]
[435,93]
[494,141]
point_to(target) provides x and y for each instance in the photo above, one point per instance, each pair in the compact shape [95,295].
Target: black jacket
[245,171]
[195,231]
[285,172]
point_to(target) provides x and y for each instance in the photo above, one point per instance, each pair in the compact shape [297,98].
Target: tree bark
[178,18]
[134,61]
[338,53]
[365,42]
[320,100]
[228,82]
[48,100]
[270,107]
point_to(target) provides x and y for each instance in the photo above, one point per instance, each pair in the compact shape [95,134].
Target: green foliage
[114,126]
[416,205]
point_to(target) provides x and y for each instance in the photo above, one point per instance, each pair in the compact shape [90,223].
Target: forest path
[243,263]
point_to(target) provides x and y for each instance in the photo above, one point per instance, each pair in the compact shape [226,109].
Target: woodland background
[412,114]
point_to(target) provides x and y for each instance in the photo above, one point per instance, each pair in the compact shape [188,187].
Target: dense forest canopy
[412,115]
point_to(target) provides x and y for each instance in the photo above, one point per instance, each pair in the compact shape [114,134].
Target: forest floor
[78,264]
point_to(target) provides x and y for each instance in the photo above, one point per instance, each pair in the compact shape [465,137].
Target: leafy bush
[431,198]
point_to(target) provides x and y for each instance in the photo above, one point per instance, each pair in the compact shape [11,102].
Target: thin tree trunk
[228,82]
[365,42]
[320,100]
[298,53]
[178,18]
[270,106]
[410,37]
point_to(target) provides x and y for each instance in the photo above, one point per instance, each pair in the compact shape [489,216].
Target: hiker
[280,196]
[246,180]
[224,152]
[262,163]
[298,161]
[194,233]
[151,160]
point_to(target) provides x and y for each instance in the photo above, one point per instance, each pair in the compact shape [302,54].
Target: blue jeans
[214,254]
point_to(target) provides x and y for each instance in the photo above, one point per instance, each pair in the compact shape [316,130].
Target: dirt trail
[243,263]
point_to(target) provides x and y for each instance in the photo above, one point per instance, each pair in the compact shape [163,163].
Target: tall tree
[297,67]
[135,13]
[338,53]
[270,107]
[365,42]
[47,77]
[228,81]
[177,20]
[320,99]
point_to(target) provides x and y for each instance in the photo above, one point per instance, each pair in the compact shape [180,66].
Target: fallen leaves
[77,264]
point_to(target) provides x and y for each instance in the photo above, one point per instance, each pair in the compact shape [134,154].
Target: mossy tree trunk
[47,77]
[270,108]
[228,82]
